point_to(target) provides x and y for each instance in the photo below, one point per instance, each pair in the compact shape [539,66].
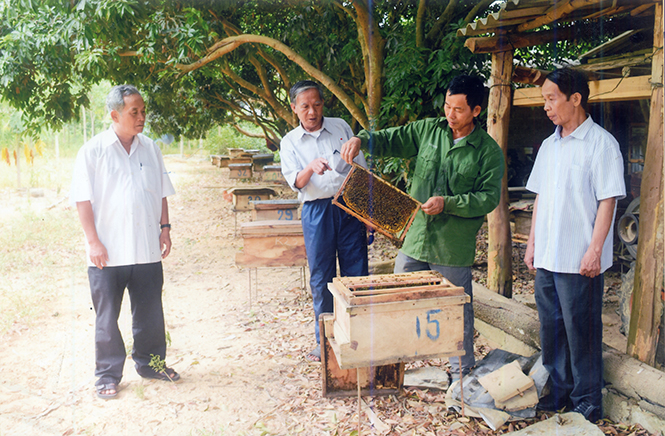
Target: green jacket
[467,175]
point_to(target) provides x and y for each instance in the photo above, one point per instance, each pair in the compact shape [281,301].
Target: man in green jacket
[457,179]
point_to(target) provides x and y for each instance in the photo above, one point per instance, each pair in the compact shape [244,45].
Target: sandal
[168,374]
[315,354]
[107,390]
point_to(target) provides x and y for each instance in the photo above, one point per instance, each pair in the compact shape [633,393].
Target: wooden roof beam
[533,76]
[529,76]
[511,41]
[561,9]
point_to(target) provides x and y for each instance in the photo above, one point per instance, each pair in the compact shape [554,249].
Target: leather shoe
[589,411]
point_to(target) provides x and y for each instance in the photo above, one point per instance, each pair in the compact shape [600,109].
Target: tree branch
[484,4]
[420,18]
[229,44]
[443,20]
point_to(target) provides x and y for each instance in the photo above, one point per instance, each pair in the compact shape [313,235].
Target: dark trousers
[144,283]
[331,234]
[458,276]
[571,334]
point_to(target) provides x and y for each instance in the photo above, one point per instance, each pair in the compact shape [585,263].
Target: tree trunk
[85,127]
[17,158]
[92,123]
[647,308]
[420,18]
[57,145]
[499,245]
[514,318]
[373,45]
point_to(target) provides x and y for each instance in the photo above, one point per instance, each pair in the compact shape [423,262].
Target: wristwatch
[165,226]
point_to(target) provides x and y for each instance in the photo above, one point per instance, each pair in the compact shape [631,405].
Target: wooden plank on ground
[519,402]
[506,382]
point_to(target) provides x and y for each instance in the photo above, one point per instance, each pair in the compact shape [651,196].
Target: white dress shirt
[571,176]
[300,147]
[126,192]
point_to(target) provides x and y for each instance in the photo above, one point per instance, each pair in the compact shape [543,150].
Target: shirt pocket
[578,178]
[149,178]
[463,178]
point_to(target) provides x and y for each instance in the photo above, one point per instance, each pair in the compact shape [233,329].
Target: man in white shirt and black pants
[119,188]
[313,166]
[578,178]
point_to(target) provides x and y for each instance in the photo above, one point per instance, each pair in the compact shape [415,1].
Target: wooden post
[499,244]
[647,308]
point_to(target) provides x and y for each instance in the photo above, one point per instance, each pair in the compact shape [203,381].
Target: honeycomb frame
[361,202]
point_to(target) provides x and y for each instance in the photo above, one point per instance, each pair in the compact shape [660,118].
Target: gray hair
[115,101]
[303,86]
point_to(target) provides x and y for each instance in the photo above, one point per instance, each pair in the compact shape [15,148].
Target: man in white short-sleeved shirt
[313,167]
[119,188]
[578,177]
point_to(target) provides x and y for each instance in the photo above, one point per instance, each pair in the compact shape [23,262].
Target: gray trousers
[144,283]
[458,276]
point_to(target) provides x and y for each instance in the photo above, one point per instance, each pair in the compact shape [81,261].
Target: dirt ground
[243,369]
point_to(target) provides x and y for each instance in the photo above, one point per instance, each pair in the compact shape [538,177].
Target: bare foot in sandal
[315,354]
[107,390]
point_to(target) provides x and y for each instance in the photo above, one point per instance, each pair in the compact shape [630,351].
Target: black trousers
[144,283]
[570,309]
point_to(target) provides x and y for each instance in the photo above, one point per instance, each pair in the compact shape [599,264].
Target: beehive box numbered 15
[394,318]
[377,203]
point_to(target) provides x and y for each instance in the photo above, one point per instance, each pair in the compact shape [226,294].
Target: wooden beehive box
[215,160]
[280,210]
[224,161]
[235,152]
[394,318]
[246,194]
[240,160]
[271,244]
[273,173]
[337,382]
[260,160]
[240,171]
[377,203]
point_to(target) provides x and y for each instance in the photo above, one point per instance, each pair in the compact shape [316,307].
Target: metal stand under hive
[377,203]
[393,318]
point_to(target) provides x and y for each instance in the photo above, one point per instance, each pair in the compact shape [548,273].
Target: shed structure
[628,67]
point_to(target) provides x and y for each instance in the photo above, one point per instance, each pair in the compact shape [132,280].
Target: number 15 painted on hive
[431,324]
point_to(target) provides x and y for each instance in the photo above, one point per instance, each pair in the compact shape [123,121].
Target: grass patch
[39,247]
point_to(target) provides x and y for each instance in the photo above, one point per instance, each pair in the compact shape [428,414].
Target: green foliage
[139,390]
[157,364]
[54,53]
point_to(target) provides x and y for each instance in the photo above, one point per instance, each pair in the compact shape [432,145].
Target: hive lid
[252,190]
[275,204]
[271,228]
[396,287]
[377,203]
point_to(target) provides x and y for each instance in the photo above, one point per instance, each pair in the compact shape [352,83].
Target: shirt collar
[581,130]
[300,131]
[471,139]
[109,137]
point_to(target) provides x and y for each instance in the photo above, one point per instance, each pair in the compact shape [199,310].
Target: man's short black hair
[303,86]
[571,81]
[471,86]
